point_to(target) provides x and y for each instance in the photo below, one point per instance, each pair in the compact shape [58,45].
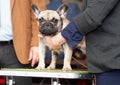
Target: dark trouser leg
[108,78]
[8,59]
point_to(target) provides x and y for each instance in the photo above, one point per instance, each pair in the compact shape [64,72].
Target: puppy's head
[49,21]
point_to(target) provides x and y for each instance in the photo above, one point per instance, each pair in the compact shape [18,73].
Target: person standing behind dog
[99,22]
[18,37]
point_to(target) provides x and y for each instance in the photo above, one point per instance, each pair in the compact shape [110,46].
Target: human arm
[33,52]
[92,17]
[93,14]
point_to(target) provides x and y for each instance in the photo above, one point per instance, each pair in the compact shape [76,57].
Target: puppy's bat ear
[35,10]
[62,10]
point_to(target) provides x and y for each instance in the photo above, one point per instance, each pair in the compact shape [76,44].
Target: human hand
[33,55]
[54,42]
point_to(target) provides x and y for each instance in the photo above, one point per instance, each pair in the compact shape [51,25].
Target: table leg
[55,81]
[9,80]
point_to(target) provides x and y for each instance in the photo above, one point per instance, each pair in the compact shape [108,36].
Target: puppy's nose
[48,25]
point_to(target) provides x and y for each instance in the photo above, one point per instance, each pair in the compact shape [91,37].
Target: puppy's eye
[41,19]
[54,20]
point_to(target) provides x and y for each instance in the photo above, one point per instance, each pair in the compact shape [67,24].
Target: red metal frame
[2,80]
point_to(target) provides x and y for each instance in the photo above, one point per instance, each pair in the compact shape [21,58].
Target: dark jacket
[99,21]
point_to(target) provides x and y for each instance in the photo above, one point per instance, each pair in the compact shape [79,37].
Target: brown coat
[25,32]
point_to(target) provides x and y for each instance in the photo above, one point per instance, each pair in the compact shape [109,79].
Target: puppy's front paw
[40,67]
[66,68]
[50,67]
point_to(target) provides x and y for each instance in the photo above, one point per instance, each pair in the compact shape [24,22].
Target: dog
[50,23]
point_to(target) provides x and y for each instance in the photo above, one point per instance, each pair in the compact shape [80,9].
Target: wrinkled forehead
[49,14]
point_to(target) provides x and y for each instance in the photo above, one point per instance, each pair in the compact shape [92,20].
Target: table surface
[57,73]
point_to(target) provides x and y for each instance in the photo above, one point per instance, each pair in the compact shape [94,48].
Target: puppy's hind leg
[67,58]
[53,62]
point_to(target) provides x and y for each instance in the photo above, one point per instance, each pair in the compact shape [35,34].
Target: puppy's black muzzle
[48,29]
